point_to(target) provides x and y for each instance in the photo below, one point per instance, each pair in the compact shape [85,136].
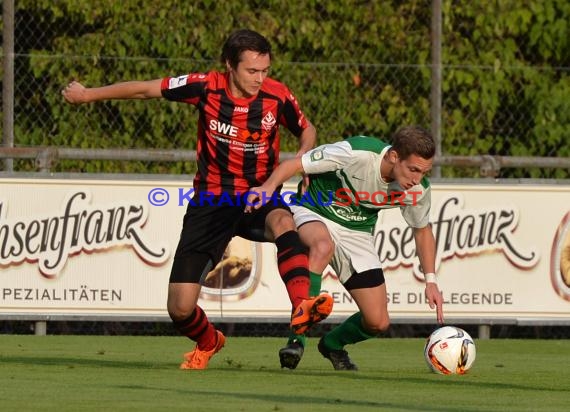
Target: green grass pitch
[124,373]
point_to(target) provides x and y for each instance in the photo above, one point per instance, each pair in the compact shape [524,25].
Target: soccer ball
[449,350]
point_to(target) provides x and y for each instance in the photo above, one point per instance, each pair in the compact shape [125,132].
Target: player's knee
[322,251]
[378,325]
[384,325]
[280,221]
[178,310]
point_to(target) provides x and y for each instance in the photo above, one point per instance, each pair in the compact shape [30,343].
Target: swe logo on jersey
[223,128]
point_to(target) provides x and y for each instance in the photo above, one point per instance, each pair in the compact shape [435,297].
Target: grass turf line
[124,373]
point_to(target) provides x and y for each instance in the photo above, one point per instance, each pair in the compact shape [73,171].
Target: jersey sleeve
[186,88]
[327,158]
[417,215]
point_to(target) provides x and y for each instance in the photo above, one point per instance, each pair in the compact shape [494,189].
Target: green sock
[315,284]
[313,291]
[348,332]
[302,339]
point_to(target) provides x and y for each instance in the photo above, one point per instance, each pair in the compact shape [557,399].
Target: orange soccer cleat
[311,311]
[198,359]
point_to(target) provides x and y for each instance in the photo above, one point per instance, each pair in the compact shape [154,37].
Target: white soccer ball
[450,350]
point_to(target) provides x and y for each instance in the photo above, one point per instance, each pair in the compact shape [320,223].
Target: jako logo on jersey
[241,109]
[268,121]
[223,128]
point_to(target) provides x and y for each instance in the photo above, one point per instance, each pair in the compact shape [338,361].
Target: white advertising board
[101,248]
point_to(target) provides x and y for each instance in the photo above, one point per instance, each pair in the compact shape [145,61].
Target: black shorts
[207,230]
[364,280]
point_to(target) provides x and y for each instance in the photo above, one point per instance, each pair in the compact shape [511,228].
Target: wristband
[430,277]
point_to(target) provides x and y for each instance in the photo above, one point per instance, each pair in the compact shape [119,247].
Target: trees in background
[358,68]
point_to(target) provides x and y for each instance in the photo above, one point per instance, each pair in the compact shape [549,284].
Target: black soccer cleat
[291,355]
[339,358]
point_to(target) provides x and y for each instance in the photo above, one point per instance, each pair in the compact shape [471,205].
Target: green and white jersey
[346,185]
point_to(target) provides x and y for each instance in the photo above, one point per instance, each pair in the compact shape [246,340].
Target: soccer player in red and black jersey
[240,111]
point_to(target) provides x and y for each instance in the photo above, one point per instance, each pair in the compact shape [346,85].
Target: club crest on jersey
[316,155]
[268,121]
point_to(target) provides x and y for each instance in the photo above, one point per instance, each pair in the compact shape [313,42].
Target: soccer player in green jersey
[349,183]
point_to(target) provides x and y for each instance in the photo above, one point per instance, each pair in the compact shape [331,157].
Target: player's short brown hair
[240,41]
[413,140]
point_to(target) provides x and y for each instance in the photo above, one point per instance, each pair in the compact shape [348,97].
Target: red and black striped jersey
[238,138]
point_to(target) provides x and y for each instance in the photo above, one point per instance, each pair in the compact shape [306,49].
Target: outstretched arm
[284,171]
[76,93]
[425,245]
